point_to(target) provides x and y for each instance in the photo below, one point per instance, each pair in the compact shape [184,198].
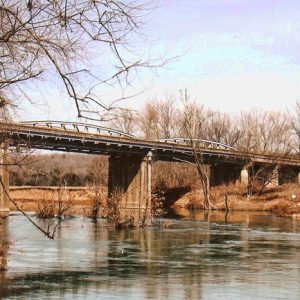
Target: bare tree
[148,121]
[294,118]
[124,120]
[222,128]
[267,133]
[193,119]
[42,36]
[159,118]
[168,115]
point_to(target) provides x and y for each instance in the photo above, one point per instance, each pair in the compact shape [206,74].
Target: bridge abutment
[4,173]
[130,181]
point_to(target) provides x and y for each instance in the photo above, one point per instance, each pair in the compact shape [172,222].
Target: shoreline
[283,200]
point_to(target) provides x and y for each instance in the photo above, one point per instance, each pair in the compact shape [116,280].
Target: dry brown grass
[99,201]
[278,200]
[30,197]
[59,205]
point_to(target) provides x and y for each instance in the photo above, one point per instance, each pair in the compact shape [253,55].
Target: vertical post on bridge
[4,173]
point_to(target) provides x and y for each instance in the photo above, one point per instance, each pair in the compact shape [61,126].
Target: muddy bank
[283,200]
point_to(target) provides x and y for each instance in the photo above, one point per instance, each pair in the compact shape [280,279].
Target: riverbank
[283,200]
[74,200]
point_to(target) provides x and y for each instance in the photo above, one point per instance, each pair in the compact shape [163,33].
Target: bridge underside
[271,175]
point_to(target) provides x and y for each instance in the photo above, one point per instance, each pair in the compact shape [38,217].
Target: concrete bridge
[130,158]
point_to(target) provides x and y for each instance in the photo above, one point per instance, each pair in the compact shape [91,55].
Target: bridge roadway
[60,139]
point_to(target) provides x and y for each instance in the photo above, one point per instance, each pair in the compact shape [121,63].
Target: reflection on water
[211,256]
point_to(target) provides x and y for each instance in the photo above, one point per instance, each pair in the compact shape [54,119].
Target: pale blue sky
[231,55]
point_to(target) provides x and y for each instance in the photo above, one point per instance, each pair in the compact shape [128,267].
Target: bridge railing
[198,142]
[78,127]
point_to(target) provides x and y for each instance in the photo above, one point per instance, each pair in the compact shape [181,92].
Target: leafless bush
[53,211]
[99,200]
[158,199]
[59,207]
[114,215]
[64,203]
[46,209]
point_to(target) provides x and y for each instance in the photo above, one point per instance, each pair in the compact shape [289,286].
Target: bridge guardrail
[75,126]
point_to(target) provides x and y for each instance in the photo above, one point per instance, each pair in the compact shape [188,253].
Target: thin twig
[46,233]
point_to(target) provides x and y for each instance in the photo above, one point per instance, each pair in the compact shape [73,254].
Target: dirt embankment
[79,199]
[282,200]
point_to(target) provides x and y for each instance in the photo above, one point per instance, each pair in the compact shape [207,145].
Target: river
[241,255]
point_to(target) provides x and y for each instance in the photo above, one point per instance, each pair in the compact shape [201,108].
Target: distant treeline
[276,132]
[69,169]
[60,169]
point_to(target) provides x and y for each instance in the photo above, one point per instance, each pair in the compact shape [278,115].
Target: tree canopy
[42,36]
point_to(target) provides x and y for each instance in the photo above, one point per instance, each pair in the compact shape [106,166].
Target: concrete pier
[130,178]
[244,176]
[4,173]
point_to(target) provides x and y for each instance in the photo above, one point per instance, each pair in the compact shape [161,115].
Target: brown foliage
[285,208]
[54,207]
[99,200]
[114,215]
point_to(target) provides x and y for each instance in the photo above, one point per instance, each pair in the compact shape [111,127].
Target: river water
[201,256]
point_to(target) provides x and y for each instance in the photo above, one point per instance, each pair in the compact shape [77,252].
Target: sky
[230,55]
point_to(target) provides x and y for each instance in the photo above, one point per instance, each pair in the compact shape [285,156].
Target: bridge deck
[57,139]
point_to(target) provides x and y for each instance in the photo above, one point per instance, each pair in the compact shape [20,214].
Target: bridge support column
[130,179]
[4,201]
[244,176]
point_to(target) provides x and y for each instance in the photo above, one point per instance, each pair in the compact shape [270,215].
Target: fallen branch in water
[47,233]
